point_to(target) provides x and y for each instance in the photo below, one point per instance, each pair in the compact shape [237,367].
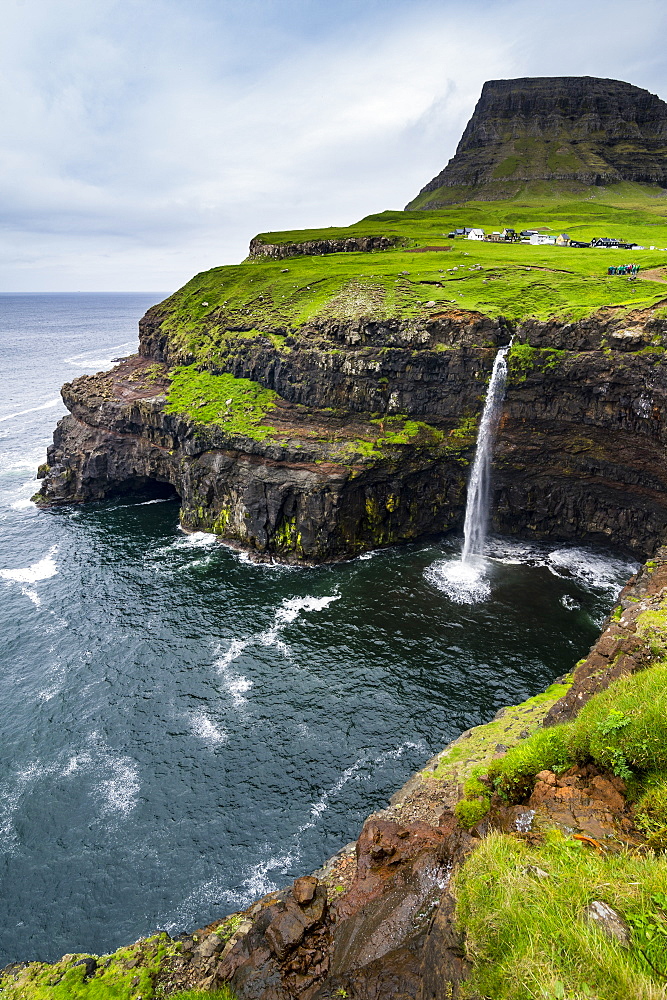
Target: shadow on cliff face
[144,488]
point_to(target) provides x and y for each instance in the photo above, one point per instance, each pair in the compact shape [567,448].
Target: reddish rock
[304,888]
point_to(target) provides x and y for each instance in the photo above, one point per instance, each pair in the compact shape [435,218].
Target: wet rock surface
[379,936]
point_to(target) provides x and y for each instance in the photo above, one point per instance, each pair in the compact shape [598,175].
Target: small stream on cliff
[182,729]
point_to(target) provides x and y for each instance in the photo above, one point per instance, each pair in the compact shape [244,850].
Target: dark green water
[182,729]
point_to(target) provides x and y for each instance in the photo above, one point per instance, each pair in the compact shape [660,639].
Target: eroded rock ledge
[373,428]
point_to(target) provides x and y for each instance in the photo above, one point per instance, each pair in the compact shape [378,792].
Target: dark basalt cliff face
[316,248]
[580,452]
[576,129]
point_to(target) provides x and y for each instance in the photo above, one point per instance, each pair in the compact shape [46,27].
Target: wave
[595,571]
[195,539]
[32,409]
[290,609]
[92,359]
[43,569]
[206,729]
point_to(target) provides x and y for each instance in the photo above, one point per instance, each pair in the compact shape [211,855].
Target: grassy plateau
[517,281]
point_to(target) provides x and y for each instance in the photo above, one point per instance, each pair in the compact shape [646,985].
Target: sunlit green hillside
[512,280]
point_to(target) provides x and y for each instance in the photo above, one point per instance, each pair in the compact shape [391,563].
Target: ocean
[182,729]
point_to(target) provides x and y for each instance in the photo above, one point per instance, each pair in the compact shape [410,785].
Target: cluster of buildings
[537,237]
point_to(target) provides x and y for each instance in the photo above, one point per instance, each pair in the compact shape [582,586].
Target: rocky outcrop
[316,248]
[369,440]
[387,933]
[581,130]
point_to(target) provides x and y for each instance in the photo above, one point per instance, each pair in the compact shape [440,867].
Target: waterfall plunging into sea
[477,504]
[464,580]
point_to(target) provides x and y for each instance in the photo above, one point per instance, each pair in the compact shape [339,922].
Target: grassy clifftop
[413,281]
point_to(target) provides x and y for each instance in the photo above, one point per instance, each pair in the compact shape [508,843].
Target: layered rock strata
[316,248]
[580,130]
[369,439]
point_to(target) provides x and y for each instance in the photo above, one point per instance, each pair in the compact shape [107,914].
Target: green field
[512,280]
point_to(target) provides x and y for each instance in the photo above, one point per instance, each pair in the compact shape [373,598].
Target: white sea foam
[76,763]
[23,504]
[595,571]
[116,776]
[41,570]
[33,409]
[121,790]
[196,539]
[92,359]
[570,603]
[211,892]
[464,583]
[21,461]
[290,609]
[205,728]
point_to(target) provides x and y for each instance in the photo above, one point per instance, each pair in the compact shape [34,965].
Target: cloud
[142,142]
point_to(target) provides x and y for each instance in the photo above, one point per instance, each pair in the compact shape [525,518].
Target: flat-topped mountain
[572,130]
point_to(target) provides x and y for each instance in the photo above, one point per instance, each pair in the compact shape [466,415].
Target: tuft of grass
[237,405]
[522,910]
[622,729]
[651,810]
[546,749]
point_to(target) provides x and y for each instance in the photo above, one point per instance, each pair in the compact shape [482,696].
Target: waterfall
[477,505]
[465,580]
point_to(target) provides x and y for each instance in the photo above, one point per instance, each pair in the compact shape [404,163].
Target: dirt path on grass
[654,274]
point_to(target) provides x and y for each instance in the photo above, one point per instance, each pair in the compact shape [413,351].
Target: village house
[563,240]
[542,239]
[476,234]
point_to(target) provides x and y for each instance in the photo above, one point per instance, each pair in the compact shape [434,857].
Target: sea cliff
[352,435]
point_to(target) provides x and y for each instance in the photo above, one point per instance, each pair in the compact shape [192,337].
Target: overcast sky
[142,141]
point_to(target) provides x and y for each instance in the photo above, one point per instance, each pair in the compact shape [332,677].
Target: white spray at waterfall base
[464,581]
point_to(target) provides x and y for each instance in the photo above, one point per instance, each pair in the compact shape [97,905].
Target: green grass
[522,907]
[237,405]
[113,980]
[264,298]
[622,729]
[625,727]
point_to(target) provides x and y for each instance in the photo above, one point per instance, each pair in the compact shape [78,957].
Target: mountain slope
[576,131]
